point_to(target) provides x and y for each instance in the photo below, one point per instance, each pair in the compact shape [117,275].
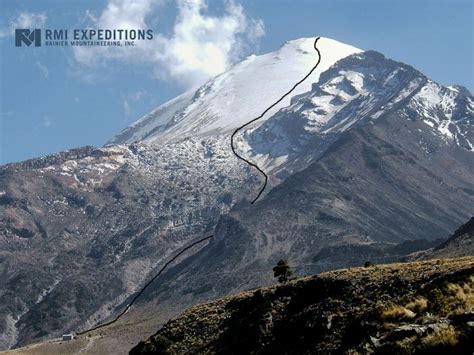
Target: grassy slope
[419,307]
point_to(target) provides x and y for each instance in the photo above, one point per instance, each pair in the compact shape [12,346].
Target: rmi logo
[27,37]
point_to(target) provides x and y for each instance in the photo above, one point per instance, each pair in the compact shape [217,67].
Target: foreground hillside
[419,307]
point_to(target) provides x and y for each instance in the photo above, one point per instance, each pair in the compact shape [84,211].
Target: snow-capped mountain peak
[349,87]
[237,95]
[361,88]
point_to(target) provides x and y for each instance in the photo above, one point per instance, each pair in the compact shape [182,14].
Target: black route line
[145,287]
[263,113]
[127,308]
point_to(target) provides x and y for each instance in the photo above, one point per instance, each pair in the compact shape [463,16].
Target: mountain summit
[238,95]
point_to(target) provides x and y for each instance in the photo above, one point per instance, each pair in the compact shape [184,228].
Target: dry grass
[397,312]
[455,298]
[441,338]
[462,295]
[417,305]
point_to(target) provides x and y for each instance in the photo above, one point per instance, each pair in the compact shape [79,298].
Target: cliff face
[421,307]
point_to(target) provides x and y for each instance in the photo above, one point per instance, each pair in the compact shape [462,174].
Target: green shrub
[283,271]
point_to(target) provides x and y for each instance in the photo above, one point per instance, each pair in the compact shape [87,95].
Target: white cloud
[24,20]
[200,46]
[43,69]
[203,46]
[118,14]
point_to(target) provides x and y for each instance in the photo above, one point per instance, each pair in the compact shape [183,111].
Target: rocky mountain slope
[385,180]
[335,213]
[461,243]
[81,230]
[416,308]
[373,156]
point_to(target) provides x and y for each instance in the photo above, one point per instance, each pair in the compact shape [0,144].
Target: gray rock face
[373,156]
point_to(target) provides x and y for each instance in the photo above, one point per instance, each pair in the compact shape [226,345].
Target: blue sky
[55,98]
